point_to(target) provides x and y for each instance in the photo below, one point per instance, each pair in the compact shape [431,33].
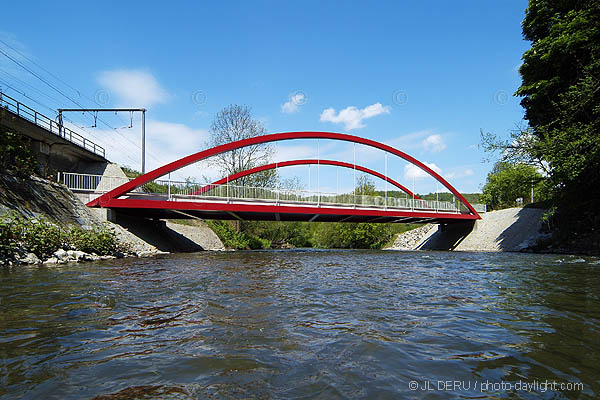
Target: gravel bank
[512,229]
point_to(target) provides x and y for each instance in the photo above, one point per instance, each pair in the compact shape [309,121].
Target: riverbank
[41,206]
[512,229]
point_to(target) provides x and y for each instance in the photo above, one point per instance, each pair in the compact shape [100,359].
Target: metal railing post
[169,189]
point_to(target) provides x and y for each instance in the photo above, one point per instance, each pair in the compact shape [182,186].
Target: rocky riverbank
[33,199]
[410,240]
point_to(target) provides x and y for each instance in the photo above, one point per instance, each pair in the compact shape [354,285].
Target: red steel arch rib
[274,137]
[266,167]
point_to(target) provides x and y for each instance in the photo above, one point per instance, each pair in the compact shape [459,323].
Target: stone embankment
[512,229]
[410,240]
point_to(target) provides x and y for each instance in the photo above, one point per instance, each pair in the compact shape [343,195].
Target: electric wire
[52,86]
[31,87]
[61,92]
[50,73]
[109,144]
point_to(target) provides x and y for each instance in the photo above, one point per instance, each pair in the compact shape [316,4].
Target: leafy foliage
[561,93]
[347,235]
[42,237]
[508,182]
[15,154]
[234,239]
[97,240]
[277,233]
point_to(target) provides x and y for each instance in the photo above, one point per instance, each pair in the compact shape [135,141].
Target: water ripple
[300,324]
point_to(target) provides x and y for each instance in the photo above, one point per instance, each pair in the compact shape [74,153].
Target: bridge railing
[189,191]
[28,113]
[193,191]
[90,182]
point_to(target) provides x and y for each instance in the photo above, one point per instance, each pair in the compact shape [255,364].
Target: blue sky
[422,76]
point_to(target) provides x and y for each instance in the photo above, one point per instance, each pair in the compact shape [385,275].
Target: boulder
[30,258]
[77,255]
[61,255]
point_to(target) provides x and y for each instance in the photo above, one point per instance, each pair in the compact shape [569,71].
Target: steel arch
[267,167]
[185,161]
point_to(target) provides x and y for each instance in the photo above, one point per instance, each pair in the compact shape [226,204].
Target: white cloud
[352,117]
[293,104]
[459,173]
[165,142]
[133,88]
[175,138]
[411,171]
[434,143]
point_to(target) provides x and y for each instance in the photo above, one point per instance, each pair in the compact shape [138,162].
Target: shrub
[17,156]
[350,235]
[233,239]
[8,236]
[43,238]
[101,241]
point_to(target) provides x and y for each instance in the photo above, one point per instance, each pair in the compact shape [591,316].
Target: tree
[522,147]
[354,235]
[508,182]
[365,186]
[235,123]
[15,154]
[561,92]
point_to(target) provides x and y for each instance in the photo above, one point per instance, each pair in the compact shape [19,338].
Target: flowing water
[303,324]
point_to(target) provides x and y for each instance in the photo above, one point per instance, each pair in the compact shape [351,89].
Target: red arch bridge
[148,196]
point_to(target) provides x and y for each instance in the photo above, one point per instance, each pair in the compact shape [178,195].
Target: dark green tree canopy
[561,96]
[564,53]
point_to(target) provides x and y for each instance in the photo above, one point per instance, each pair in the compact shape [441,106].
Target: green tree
[15,154]
[354,235]
[508,182]
[561,92]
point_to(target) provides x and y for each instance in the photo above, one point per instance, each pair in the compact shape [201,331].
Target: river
[303,324]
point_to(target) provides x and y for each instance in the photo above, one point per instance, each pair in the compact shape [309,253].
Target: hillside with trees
[560,93]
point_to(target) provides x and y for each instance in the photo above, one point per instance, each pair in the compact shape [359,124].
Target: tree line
[557,152]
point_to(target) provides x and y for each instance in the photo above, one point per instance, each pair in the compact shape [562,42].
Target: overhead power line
[14,60]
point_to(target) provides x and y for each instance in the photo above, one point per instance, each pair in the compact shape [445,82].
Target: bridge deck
[244,209]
